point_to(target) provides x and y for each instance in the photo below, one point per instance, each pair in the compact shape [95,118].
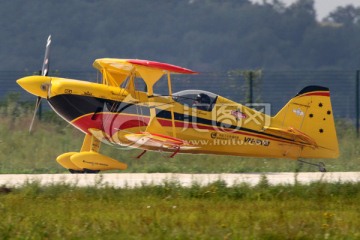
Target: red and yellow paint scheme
[118,112]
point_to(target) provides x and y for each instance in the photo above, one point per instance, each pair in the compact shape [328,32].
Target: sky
[324,7]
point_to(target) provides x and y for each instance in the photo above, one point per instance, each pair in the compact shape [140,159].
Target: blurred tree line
[206,35]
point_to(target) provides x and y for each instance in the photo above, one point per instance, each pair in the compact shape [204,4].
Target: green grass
[21,152]
[315,211]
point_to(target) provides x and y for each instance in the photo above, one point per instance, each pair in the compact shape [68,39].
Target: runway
[131,180]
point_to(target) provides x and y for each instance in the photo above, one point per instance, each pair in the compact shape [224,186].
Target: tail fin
[309,115]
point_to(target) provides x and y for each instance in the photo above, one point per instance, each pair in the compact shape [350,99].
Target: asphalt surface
[121,180]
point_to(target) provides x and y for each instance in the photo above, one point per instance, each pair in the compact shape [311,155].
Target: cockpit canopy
[200,99]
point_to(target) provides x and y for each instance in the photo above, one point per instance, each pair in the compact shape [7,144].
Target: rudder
[310,112]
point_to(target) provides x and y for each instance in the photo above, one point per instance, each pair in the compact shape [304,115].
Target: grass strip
[216,211]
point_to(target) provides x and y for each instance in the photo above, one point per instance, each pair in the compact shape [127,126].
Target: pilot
[202,101]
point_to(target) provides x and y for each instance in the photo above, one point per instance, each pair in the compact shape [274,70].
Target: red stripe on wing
[163,66]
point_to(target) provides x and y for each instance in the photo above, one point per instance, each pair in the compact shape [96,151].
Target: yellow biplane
[119,112]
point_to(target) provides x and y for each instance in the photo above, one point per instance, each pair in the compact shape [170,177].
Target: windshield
[199,99]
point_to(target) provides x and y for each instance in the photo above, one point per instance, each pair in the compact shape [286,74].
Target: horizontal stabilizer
[294,134]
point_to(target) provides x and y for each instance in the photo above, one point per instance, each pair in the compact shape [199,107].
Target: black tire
[75,171]
[90,171]
[322,167]
[83,171]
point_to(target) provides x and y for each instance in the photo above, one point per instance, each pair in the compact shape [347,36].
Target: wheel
[322,167]
[83,171]
[90,171]
[75,171]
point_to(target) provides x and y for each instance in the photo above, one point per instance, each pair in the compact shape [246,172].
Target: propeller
[46,63]
[37,105]
[44,72]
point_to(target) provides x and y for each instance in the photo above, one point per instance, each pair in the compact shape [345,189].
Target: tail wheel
[322,167]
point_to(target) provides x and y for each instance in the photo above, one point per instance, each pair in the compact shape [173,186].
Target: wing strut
[172,105]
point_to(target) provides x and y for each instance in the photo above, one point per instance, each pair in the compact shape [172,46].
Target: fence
[274,87]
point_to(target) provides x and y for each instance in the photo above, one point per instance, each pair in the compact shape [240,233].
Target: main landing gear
[89,160]
[320,165]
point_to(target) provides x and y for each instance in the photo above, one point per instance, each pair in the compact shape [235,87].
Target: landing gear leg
[320,165]
[89,160]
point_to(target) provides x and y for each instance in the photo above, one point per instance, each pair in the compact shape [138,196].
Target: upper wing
[127,65]
[116,71]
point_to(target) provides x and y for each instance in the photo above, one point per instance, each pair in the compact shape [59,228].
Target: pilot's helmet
[203,98]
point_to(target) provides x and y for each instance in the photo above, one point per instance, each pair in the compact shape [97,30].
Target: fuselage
[224,127]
